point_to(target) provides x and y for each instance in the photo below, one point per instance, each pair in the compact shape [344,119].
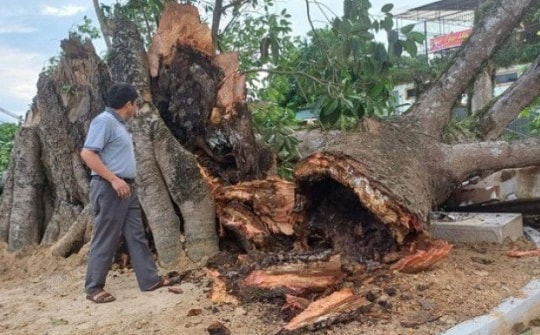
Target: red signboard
[448,41]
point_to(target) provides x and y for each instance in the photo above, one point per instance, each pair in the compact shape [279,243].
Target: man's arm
[94,162]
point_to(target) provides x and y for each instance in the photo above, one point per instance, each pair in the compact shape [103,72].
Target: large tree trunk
[50,184]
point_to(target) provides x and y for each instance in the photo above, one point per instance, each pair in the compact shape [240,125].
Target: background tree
[7,139]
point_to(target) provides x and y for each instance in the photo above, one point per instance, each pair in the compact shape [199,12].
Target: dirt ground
[41,294]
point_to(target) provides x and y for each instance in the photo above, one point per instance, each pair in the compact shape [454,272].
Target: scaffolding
[440,19]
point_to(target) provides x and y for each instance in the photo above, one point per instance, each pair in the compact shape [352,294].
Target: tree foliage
[345,72]
[145,13]
[7,139]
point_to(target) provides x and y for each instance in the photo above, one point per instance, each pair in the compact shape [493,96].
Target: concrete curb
[501,320]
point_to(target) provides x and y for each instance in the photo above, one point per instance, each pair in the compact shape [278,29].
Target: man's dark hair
[121,93]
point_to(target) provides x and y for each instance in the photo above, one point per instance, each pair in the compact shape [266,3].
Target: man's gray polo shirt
[109,137]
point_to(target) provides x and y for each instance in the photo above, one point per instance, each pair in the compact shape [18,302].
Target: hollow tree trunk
[403,167]
[400,171]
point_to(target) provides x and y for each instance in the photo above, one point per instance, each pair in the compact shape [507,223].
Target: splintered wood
[335,218]
[233,86]
[179,24]
[422,259]
[257,210]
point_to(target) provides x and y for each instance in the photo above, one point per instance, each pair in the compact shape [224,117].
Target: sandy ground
[41,294]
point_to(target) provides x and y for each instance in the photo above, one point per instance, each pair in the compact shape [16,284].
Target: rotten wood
[356,176]
[201,98]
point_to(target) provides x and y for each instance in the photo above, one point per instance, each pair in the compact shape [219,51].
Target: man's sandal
[100,297]
[165,281]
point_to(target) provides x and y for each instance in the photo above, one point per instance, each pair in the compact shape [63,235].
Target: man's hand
[94,162]
[123,189]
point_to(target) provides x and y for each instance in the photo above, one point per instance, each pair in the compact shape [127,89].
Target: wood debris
[332,308]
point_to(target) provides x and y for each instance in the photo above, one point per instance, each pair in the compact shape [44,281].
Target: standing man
[108,151]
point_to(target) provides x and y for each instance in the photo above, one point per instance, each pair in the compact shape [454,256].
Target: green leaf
[366,35]
[330,119]
[417,37]
[387,23]
[410,47]
[377,89]
[387,8]
[264,45]
[380,53]
[279,140]
[362,25]
[330,107]
[393,37]
[287,131]
[348,104]
[367,68]
[407,29]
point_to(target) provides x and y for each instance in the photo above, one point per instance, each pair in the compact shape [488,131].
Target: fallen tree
[358,197]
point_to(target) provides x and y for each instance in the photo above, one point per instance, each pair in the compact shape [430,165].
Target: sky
[31,31]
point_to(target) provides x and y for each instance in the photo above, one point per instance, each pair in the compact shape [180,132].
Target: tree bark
[168,171]
[483,88]
[27,204]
